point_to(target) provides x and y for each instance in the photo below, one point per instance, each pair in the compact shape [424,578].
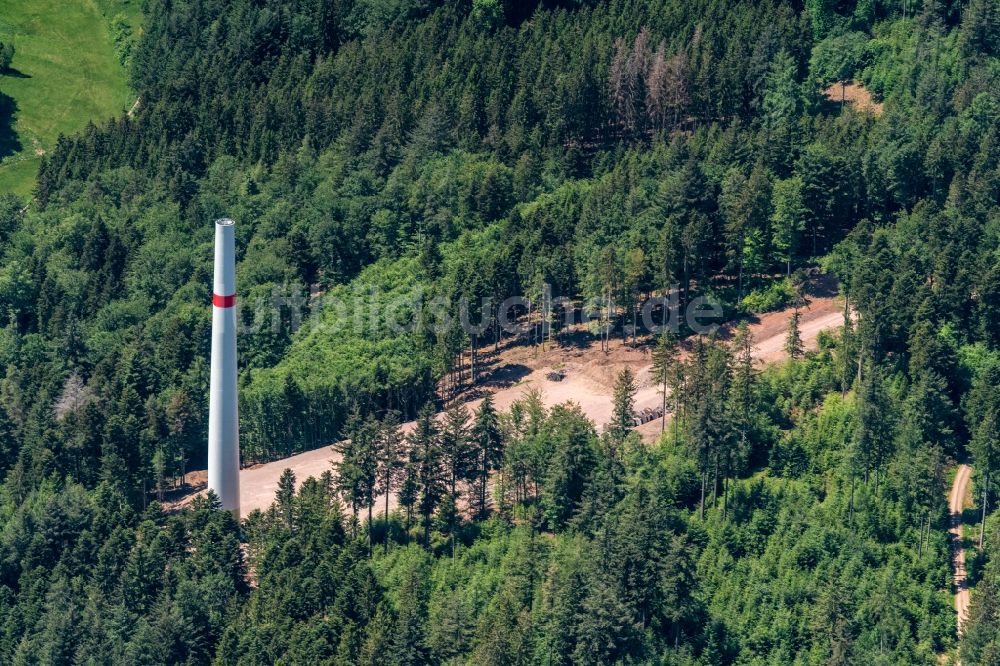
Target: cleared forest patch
[586,377]
[856,95]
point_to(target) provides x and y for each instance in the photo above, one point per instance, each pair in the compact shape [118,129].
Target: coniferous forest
[379,149]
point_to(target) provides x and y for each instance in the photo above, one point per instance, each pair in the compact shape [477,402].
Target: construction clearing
[570,368]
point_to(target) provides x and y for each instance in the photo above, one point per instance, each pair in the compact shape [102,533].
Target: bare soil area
[587,378]
[856,95]
[957,501]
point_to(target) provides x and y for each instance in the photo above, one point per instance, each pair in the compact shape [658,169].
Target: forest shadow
[828,106]
[10,143]
[975,562]
[575,338]
[822,285]
[15,73]
[506,376]
[173,495]
[495,378]
[727,329]
[970,516]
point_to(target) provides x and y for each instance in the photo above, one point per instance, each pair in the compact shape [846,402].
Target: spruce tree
[353,470]
[488,440]
[985,449]
[458,458]
[623,410]
[456,449]
[408,485]
[368,450]
[571,465]
[708,430]
[284,497]
[875,430]
[430,474]
[793,338]
[664,361]
[787,219]
[409,647]
[743,395]
[391,462]
[980,642]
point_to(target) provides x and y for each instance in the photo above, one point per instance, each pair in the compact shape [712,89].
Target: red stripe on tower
[223,301]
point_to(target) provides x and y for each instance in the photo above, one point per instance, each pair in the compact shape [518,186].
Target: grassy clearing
[130,9]
[65,73]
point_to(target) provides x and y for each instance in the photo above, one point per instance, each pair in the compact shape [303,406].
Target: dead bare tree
[656,88]
[617,75]
[75,395]
[677,94]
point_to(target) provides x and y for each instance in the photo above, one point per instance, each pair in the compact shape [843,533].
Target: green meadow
[65,73]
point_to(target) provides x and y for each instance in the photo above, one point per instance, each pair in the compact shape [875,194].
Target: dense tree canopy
[384,156]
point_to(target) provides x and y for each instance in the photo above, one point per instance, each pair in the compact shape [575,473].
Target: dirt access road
[588,380]
[956,502]
[588,374]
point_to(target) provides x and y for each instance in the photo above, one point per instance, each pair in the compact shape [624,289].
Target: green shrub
[121,35]
[773,297]
[6,56]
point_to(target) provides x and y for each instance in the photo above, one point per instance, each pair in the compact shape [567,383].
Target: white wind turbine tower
[223,414]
